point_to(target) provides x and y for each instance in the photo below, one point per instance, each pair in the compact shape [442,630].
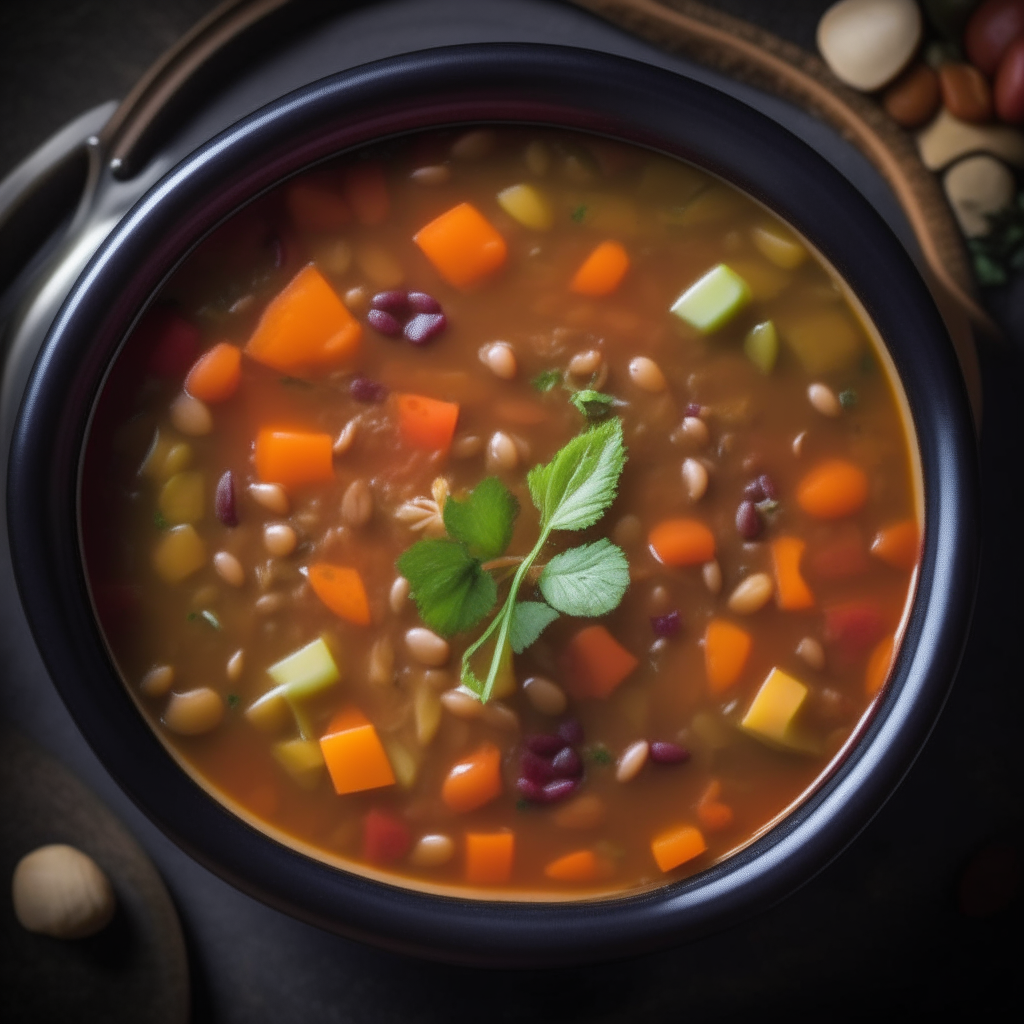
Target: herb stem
[505,562]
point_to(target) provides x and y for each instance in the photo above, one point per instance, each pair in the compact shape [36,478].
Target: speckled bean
[427,647]
[631,760]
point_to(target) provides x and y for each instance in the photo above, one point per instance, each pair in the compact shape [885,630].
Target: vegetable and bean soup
[504,512]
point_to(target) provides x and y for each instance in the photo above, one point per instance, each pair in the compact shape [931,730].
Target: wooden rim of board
[759,58]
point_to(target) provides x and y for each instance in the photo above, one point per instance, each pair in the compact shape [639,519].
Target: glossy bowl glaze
[519,84]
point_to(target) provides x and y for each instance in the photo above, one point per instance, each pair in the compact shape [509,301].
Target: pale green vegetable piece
[761,346]
[301,759]
[307,671]
[179,554]
[526,204]
[713,300]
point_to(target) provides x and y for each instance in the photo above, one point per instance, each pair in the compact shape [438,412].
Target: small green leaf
[529,620]
[598,754]
[588,580]
[160,520]
[573,490]
[848,398]
[579,214]
[484,521]
[233,700]
[451,591]
[546,380]
[593,404]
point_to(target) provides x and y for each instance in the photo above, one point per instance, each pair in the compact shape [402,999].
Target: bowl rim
[480,83]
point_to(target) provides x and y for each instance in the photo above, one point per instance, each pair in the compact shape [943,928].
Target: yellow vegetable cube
[182,498]
[771,714]
[301,759]
[823,339]
[775,243]
[527,205]
[270,713]
[165,457]
[180,553]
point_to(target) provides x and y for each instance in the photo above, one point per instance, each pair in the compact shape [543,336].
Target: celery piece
[713,300]
[761,346]
[305,672]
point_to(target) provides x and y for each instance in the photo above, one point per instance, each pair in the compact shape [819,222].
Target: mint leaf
[451,590]
[529,620]
[593,404]
[588,580]
[484,521]
[546,380]
[573,490]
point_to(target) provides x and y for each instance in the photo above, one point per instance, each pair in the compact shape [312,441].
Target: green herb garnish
[848,398]
[233,700]
[451,579]
[579,214]
[598,754]
[160,520]
[546,380]
[593,404]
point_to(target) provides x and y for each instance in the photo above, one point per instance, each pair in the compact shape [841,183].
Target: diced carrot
[426,422]
[791,592]
[879,664]
[580,866]
[463,245]
[315,207]
[342,590]
[305,328]
[594,663]
[842,555]
[386,837]
[474,781]
[711,812]
[602,271]
[833,489]
[726,649]
[489,857]
[679,542]
[292,458]
[898,545]
[356,759]
[367,193]
[853,627]
[215,374]
[172,341]
[677,846]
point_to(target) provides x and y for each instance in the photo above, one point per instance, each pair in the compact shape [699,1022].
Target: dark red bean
[1010,84]
[748,521]
[761,489]
[421,302]
[224,500]
[536,768]
[382,321]
[529,790]
[694,409]
[570,731]
[394,302]
[424,327]
[558,790]
[546,746]
[666,625]
[363,389]
[663,752]
[567,764]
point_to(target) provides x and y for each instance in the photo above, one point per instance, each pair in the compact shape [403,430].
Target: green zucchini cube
[714,300]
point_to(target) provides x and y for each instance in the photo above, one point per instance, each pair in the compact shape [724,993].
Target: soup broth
[570,397]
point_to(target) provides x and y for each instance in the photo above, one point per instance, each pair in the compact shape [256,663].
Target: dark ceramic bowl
[498,83]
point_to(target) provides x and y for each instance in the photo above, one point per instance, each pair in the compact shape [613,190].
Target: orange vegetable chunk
[594,663]
[726,649]
[367,193]
[580,866]
[711,812]
[489,857]
[342,590]
[426,422]
[602,271]
[316,208]
[355,757]
[215,374]
[879,664]
[677,846]
[305,328]
[791,591]
[681,542]
[463,245]
[292,458]
[833,489]
[475,781]
[898,545]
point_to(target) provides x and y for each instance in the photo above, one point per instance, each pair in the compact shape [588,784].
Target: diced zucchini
[528,206]
[301,759]
[761,346]
[770,715]
[403,762]
[775,243]
[182,498]
[305,672]
[712,301]
[179,553]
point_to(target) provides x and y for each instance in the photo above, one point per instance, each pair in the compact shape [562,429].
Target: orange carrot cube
[682,542]
[580,866]
[292,458]
[426,422]
[594,663]
[489,857]
[726,649]
[791,591]
[602,271]
[474,781]
[463,245]
[356,759]
[898,545]
[677,846]
[215,374]
[833,489]
[342,590]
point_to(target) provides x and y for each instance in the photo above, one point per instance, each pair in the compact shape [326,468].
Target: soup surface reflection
[506,512]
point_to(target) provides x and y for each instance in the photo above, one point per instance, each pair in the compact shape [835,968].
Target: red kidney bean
[536,768]
[1009,87]
[694,409]
[666,625]
[748,521]
[570,731]
[567,764]
[383,322]
[421,302]
[529,790]
[558,790]
[663,752]
[363,389]
[761,489]
[394,302]
[546,746]
[424,327]
[990,30]
[224,500]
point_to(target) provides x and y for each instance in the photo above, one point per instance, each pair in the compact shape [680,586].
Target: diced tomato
[386,837]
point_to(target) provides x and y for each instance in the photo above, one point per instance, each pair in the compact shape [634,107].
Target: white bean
[194,712]
[631,760]
[712,573]
[824,400]
[229,568]
[646,374]
[279,539]
[693,431]
[585,363]
[798,443]
[500,716]
[432,851]
[357,503]
[500,358]
[271,496]
[236,666]
[435,174]
[191,416]
[380,669]
[157,681]
[427,647]
[462,704]
[812,652]
[752,594]
[695,478]
[546,697]
[502,453]
[399,594]
[347,437]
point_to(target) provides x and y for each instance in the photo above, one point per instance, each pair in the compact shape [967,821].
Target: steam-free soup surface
[307,497]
